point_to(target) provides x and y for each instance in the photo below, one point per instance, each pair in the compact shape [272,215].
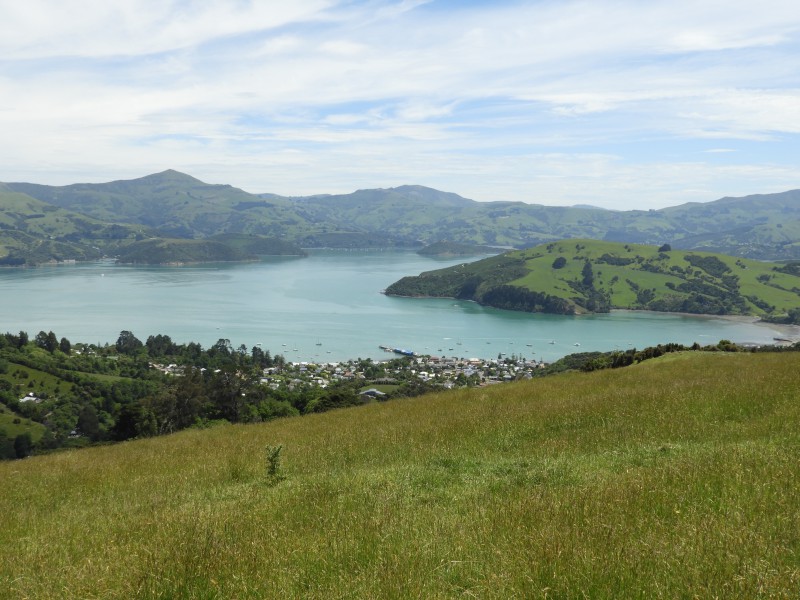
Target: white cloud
[42,28]
[526,100]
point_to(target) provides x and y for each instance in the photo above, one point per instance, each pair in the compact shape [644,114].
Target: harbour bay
[325,307]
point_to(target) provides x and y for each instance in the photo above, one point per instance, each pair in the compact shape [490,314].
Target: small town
[433,370]
[380,378]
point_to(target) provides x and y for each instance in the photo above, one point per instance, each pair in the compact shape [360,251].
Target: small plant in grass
[274,474]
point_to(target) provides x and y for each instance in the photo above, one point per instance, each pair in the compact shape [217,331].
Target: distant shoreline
[789,333]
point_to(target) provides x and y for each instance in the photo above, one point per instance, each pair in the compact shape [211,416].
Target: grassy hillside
[222,248]
[179,205]
[176,204]
[12,425]
[420,213]
[258,245]
[754,226]
[770,241]
[555,278]
[446,249]
[673,478]
[33,231]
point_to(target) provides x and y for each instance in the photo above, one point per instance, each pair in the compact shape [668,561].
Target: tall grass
[669,479]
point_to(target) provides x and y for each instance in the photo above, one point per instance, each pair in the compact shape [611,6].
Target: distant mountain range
[82,221]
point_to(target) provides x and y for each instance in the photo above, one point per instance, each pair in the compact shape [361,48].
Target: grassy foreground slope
[676,477]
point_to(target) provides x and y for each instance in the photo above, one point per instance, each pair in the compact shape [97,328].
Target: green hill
[222,248]
[178,205]
[575,276]
[33,231]
[673,478]
[259,245]
[749,226]
[445,249]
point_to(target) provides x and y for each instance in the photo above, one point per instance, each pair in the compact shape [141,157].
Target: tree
[193,351]
[227,390]
[560,263]
[221,350]
[258,357]
[665,248]
[88,423]
[159,345]
[41,340]
[127,343]
[65,346]
[336,396]
[7,450]
[134,421]
[182,403]
[588,274]
[23,444]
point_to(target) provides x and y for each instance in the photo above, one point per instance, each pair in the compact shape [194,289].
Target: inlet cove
[328,306]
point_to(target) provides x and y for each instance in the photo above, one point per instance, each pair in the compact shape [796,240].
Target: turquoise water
[328,306]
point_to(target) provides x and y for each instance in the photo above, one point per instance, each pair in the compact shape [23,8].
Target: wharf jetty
[398,350]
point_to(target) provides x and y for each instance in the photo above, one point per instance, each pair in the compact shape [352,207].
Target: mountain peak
[171,175]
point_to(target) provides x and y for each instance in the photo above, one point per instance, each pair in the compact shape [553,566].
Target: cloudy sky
[621,104]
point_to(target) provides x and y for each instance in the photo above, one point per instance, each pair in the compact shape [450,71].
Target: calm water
[325,307]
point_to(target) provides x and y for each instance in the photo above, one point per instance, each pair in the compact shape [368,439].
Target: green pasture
[670,479]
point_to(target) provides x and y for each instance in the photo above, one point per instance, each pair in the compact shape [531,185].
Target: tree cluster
[133,399]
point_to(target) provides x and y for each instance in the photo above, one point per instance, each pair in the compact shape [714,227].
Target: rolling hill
[576,276]
[33,231]
[177,205]
[220,248]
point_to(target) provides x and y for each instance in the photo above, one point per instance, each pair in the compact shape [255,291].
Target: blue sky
[620,104]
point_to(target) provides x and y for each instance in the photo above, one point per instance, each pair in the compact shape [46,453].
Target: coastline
[789,334]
